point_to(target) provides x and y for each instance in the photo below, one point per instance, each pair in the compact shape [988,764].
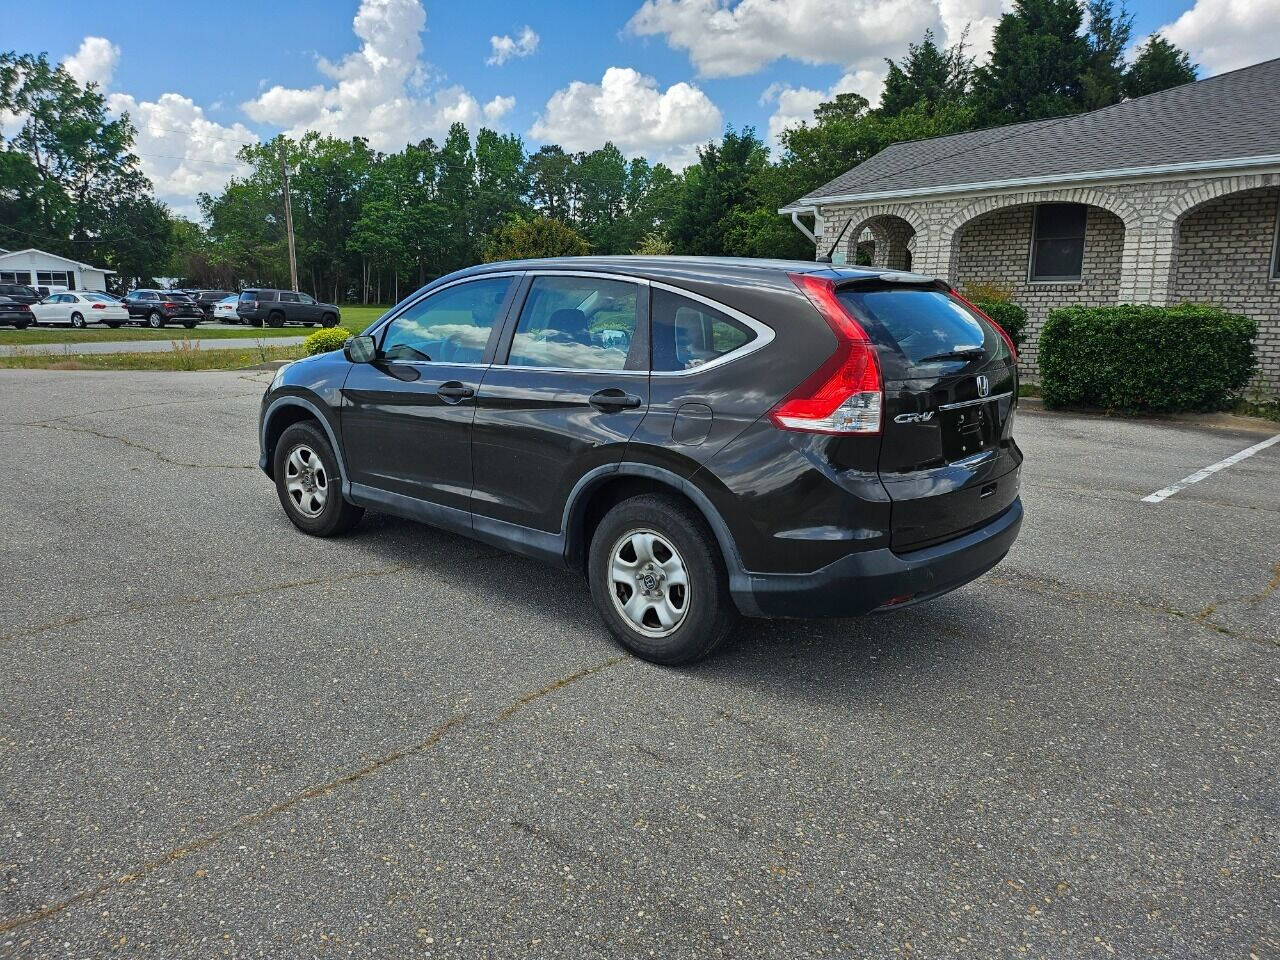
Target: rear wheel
[20,325]
[309,484]
[275,319]
[190,324]
[658,580]
[77,321]
[113,324]
[155,320]
[254,322]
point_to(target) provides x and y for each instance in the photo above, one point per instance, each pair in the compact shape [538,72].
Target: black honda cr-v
[703,437]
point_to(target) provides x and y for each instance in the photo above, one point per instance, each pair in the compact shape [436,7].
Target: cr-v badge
[914,417]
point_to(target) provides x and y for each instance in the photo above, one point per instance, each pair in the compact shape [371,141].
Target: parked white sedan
[224,311]
[80,309]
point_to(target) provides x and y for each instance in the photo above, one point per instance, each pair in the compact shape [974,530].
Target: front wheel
[77,321]
[309,484]
[329,320]
[155,321]
[658,580]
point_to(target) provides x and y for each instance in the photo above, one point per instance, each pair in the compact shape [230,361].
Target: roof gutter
[795,220]
[810,205]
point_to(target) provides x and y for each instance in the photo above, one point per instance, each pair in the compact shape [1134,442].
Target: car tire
[254,322]
[329,320]
[19,325]
[77,321]
[657,539]
[154,320]
[113,324]
[309,483]
[190,324]
[275,319]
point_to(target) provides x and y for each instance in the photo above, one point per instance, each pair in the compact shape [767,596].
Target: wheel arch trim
[293,400]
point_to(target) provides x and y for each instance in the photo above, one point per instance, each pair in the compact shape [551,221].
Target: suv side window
[304,298]
[148,295]
[576,323]
[288,298]
[687,333]
[452,326]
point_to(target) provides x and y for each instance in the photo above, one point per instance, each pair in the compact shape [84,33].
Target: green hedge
[1145,358]
[326,339]
[1010,316]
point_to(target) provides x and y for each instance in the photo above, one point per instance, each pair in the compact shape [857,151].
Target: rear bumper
[862,582]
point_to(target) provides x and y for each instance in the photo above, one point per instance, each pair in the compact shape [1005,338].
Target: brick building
[1168,198]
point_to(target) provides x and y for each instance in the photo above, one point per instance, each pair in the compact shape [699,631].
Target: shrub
[987,291]
[1145,358]
[1009,315]
[326,339]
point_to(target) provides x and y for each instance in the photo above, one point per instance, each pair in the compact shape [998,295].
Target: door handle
[454,391]
[612,400]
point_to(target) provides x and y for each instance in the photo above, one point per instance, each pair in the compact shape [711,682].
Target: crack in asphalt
[1046,587]
[158,454]
[311,793]
[194,600]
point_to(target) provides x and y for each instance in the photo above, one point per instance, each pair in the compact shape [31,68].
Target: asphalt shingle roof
[1233,115]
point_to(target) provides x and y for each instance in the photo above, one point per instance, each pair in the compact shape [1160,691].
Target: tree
[80,162]
[538,236]
[714,187]
[1037,60]
[137,241]
[1158,66]
[927,74]
[1102,82]
[551,182]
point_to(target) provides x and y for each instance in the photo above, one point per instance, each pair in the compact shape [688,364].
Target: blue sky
[656,76]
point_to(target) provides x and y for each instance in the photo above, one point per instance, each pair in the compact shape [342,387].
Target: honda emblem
[984,386]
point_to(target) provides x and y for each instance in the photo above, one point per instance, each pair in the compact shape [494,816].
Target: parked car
[14,313]
[155,308]
[275,308]
[20,292]
[207,299]
[225,310]
[766,438]
[80,309]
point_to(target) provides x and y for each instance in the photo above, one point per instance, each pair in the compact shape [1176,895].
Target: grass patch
[1267,409]
[185,355]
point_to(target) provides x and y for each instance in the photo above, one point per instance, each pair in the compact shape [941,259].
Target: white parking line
[1209,471]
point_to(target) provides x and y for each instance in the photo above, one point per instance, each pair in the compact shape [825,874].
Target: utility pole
[288,221]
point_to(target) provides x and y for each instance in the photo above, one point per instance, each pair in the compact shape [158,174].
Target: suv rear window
[924,324]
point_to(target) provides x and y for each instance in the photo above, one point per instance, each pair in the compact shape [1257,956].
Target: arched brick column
[891,239]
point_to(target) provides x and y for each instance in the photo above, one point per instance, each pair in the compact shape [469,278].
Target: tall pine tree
[1037,61]
[1158,66]
[928,74]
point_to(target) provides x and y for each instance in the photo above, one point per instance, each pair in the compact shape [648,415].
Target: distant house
[37,268]
[1168,198]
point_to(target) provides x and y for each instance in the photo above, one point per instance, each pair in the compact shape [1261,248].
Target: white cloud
[506,47]
[182,151]
[497,108]
[94,62]
[1224,35]
[378,92]
[795,105]
[980,16]
[726,40]
[627,108]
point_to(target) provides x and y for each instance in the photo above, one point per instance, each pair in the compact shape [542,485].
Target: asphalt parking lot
[220,737]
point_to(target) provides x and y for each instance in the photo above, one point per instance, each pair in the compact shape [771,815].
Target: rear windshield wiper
[966,353]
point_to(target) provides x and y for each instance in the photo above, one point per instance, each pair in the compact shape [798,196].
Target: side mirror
[363,349]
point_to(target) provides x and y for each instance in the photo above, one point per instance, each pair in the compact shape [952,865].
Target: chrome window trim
[974,403]
[764,334]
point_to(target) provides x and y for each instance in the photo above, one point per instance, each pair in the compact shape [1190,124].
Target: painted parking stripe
[1210,470]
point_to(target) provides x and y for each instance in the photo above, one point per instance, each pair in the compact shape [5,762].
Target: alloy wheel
[306,480]
[648,582]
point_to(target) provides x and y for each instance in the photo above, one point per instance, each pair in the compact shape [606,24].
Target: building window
[20,276]
[1275,249]
[1057,245]
[55,278]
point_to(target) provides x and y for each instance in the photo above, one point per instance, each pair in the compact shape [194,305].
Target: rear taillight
[1008,340]
[846,393]
[168,305]
[99,306]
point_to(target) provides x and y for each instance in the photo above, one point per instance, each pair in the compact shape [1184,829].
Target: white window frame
[1031,251]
